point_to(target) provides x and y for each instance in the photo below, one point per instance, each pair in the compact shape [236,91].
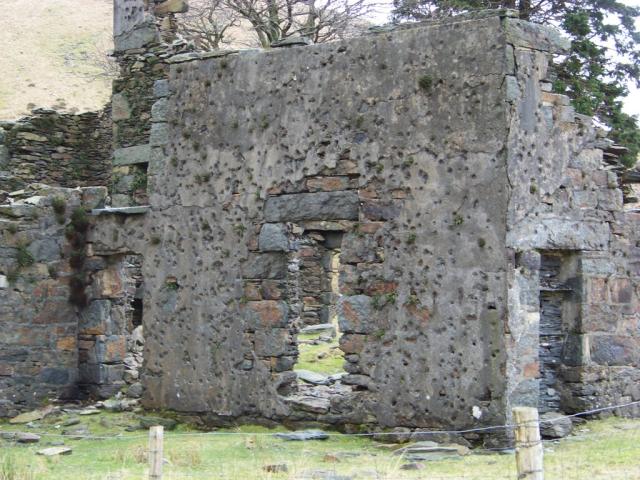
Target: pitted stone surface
[133,26]
[415,219]
[438,214]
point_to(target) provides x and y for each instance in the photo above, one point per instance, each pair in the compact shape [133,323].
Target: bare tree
[96,62]
[209,21]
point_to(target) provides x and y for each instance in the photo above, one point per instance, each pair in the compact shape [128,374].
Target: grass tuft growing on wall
[23,256]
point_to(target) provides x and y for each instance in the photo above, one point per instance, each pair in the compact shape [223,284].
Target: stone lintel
[132,155]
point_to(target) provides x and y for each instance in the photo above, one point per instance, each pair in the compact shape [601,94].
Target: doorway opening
[110,339]
[319,263]
[558,318]
[320,363]
[133,305]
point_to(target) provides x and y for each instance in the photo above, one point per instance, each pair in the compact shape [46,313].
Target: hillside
[49,54]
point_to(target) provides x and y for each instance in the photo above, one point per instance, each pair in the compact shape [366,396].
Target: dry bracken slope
[52,51]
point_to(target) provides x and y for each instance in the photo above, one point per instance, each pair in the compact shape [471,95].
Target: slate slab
[77,432]
[25,437]
[303,435]
[31,416]
[89,411]
[54,451]
[308,403]
[428,451]
[312,377]
[319,328]
[555,425]
[71,422]
[167,423]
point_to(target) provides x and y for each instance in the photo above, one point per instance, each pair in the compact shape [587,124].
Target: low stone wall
[56,149]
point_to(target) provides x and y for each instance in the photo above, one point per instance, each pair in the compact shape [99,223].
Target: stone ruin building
[422,183]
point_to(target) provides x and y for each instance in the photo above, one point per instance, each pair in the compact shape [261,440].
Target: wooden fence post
[528,445]
[155,453]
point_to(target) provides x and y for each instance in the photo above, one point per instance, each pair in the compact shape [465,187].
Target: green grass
[324,358]
[610,449]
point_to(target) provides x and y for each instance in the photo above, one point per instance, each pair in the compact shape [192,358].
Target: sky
[631,103]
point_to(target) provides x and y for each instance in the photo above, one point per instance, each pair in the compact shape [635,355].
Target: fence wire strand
[365,434]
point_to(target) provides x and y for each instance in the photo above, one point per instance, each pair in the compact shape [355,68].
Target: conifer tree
[604,57]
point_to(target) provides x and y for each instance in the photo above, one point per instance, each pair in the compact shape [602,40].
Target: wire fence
[416,432]
[607,449]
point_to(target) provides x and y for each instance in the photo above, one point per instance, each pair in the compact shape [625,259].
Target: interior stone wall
[371,138]
[42,287]
[66,304]
[57,149]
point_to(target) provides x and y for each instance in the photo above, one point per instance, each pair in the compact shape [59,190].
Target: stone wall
[443,203]
[144,35]
[422,184]
[132,100]
[57,149]
[369,139]
[41,290]
[563,199]
[140,23]
[106,343]
[70,328]
[319,273]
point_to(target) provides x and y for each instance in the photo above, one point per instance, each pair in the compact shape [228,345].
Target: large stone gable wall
[444,201]
[371,138]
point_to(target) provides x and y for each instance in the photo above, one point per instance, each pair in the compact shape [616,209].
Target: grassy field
[49,51]
[603,449]
[325,358]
